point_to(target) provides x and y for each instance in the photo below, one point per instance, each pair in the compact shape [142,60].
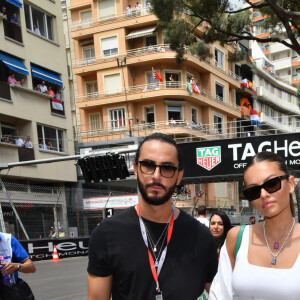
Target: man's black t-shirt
[117,248]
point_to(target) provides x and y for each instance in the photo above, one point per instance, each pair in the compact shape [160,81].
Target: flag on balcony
[244,83]
[57,104]
[157,76]
[189,88]
[251,58]
[255,117]
[196,88]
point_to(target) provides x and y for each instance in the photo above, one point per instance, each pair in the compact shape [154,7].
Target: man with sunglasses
[152,251]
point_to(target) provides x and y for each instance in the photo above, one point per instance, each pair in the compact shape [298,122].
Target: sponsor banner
[42,249]
[218,159]
[110,202]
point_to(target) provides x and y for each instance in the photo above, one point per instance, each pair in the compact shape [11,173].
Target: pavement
[66,279]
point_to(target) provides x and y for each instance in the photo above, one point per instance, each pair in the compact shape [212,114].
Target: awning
[46,75]
[140,32]
[16,3]
[13,63]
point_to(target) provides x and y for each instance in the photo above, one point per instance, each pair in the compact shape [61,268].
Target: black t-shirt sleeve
[98,253]
[213,261]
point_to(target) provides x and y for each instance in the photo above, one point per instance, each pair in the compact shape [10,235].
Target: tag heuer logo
[208,157]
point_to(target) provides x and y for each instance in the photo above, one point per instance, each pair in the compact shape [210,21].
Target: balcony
[111,19]
[282,63]
[13,153]
[136,93]
[270,97]
[278,125]
[13,31]
[182,130]
[156,52]
[278,47]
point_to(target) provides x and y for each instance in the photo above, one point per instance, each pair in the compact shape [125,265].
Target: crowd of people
[40,87]
[17,140]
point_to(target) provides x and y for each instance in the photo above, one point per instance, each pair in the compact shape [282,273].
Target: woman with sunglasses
[267,264]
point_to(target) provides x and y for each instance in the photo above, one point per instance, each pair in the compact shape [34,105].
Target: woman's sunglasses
[271,186]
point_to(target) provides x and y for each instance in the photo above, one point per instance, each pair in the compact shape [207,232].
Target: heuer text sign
[221,158]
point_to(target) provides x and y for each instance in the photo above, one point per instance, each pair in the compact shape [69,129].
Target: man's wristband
[19,267]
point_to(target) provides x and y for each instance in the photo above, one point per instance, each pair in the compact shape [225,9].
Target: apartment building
[128,85]
[285,60]
[32,51]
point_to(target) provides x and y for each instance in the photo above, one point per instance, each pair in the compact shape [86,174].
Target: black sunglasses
[271,186]
[148,167]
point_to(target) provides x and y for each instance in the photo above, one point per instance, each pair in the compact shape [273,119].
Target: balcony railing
[112,18]
[5,91]
[160,48]
[279,125]
[152,87]
[278,101]
[13,31]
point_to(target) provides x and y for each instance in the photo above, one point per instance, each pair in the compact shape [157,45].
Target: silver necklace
[154,245]
[274,259]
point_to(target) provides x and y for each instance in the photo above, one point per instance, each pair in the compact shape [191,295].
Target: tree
[219,20]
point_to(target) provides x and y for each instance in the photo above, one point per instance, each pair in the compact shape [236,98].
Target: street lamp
[121,63]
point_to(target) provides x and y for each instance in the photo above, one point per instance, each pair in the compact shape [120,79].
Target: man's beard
[156,200]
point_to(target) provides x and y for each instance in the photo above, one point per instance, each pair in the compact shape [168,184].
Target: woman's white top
[249,282]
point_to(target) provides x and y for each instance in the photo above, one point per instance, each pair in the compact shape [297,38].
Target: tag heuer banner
[220,159]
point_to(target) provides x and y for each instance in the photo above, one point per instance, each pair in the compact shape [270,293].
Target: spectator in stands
[3,11]
[19,141]
[36,30]
[43,87]
[42,145]
[6,139]
[22,82]
[28,143]
[11,79]
[58,93]
[49,145]
[38,88]
[13,19]
[50,91]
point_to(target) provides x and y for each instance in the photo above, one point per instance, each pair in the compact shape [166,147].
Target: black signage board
[42,249]
[225,160]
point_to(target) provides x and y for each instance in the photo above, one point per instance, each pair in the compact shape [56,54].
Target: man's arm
[99,288]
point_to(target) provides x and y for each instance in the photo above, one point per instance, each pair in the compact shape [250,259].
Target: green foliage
[225,24]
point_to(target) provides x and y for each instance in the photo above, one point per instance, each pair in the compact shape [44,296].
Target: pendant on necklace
[156,263]
[273,262]
[154,250]
[276,245]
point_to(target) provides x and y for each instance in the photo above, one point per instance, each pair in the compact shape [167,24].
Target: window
[42,21]
[8,129]
[220,189]
[174,112]
[220,92]
[218,124]
[94,122]
[86,16]
[117,118]
[173,79]
[91,89]
[89,52]
[150,40]
[109,46]
[194,117]
[219,59]
[107,8]
[51,138]
[112,84]
[149,114]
